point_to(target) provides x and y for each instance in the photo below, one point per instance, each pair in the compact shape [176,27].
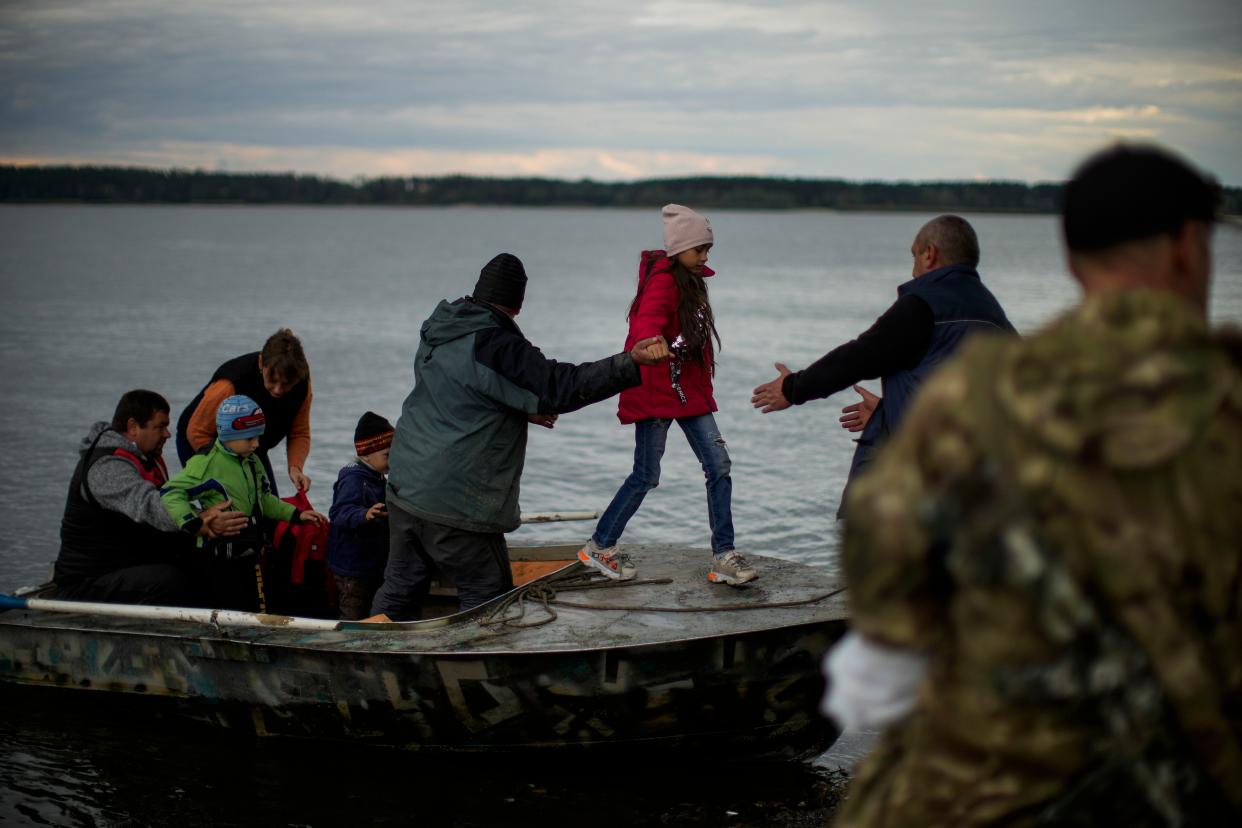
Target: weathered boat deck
[671,600]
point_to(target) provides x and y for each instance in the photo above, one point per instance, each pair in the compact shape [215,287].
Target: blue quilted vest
[961,306]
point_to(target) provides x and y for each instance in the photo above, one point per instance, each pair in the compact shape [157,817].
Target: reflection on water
[81,767]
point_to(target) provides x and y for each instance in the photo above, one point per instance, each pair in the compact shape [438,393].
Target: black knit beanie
[502,281]
[373,434]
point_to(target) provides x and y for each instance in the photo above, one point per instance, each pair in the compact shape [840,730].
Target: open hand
[771,396]
[649,351]
[311,516]
[854,417]
[377,511]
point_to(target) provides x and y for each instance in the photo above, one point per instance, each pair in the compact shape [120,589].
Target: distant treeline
[125,185]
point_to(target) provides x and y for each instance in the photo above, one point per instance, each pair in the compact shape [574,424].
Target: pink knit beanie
[684,229]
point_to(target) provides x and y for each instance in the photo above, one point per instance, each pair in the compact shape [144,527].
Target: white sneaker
[730,568]
[608,561]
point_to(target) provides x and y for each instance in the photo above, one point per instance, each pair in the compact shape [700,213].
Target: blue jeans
[650,437]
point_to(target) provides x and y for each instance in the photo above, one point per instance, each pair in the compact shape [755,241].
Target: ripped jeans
[650,437]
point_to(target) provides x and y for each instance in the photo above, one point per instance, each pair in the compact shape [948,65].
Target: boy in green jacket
[229,470]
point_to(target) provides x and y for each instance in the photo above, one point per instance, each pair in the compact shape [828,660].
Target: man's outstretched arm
[896,341]
[533,383]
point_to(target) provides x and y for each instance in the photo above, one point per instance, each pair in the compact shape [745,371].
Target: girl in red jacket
[672,302]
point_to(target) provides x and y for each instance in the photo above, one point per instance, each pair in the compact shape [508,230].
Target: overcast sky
[988,89]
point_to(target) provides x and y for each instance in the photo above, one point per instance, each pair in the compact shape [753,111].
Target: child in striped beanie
[358,535]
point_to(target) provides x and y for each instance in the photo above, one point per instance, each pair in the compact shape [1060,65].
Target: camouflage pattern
[1059,524]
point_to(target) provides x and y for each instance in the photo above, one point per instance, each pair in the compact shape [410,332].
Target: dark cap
[373,433]
[502,281]
[1130,192]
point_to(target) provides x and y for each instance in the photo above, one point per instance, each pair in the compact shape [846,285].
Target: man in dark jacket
[117,542]
[942,304]
[460,443]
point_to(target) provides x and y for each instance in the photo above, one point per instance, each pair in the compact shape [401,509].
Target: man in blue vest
[944,302]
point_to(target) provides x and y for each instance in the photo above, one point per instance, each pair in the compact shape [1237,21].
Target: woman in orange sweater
[278,379]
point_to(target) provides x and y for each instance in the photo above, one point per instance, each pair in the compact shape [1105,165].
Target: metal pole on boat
[220,618]
[551,517]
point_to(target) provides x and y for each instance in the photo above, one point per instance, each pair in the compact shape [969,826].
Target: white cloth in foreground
[870,685]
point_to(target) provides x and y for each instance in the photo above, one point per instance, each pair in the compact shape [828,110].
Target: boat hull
[756,693]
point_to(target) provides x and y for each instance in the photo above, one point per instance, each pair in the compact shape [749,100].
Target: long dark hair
[694,312]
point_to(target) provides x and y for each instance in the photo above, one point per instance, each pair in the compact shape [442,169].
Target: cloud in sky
[864,90]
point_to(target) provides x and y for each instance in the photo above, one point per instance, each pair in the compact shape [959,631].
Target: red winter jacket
[656,314]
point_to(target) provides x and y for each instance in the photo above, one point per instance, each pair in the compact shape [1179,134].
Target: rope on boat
[542,594]
[511,611]
[500,614]
[732,608]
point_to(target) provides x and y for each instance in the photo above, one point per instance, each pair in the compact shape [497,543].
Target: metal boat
[665,662]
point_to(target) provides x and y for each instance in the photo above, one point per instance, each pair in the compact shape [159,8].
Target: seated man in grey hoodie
[117,542]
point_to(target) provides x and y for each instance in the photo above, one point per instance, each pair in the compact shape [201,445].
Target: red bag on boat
[310,539]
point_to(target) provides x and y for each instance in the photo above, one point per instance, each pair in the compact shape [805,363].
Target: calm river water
[99,300]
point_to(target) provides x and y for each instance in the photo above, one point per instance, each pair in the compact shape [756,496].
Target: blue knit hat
[239,418]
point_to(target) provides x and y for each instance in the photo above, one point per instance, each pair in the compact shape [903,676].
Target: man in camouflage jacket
[1057,529]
